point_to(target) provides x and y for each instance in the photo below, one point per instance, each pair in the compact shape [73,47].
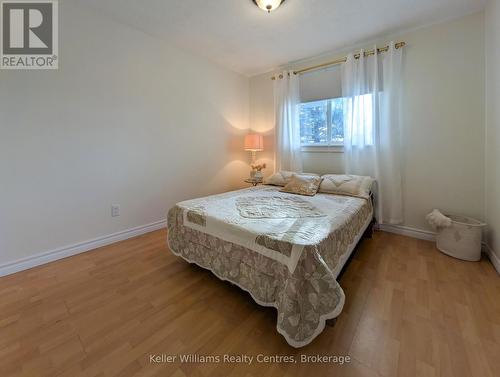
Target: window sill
[323,148]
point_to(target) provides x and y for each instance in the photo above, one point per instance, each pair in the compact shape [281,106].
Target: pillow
[302,185]
[281,178]
[352,185]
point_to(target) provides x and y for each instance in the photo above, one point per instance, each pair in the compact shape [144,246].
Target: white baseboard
[67,251]
[81,247]
[408,231]
[495,260]
[431,236]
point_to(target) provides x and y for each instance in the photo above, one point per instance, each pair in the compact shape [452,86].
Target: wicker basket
[462,239]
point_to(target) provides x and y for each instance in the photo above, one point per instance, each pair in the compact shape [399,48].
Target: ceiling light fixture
[268,5]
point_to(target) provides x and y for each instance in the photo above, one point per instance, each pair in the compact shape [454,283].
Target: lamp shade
[268,5]
[254,142]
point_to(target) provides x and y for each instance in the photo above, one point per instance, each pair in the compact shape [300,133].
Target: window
[322,122]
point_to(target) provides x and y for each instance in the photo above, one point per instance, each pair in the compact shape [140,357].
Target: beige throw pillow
[352,185]
[282,177]
[302,185]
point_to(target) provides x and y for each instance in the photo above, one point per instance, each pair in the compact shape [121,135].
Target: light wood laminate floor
[410,311]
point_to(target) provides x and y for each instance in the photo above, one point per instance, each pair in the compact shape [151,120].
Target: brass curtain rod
[341,60]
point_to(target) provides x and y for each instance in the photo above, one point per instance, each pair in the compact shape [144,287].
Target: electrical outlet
[115,210]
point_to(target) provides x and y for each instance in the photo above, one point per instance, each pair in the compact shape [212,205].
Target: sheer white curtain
[287,131]
[371,91]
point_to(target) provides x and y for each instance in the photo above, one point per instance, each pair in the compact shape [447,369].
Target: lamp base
[257,175]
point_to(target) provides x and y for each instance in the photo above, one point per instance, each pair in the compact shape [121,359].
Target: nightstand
[253,181]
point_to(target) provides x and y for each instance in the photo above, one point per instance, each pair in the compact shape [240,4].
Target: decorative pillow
[281,178]
[302,185]
[352,185]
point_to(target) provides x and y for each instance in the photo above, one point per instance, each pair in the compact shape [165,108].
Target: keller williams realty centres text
[247,359]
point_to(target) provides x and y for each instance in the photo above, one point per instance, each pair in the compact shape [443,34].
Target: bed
[286,250]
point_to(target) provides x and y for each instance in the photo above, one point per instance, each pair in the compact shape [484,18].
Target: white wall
[443,111]
[493,127]
[126,119]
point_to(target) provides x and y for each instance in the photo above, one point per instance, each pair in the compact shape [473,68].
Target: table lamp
[254,143]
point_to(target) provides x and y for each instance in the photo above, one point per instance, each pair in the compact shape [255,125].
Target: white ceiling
[240,36]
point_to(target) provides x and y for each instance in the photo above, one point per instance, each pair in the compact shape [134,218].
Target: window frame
[331,147]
